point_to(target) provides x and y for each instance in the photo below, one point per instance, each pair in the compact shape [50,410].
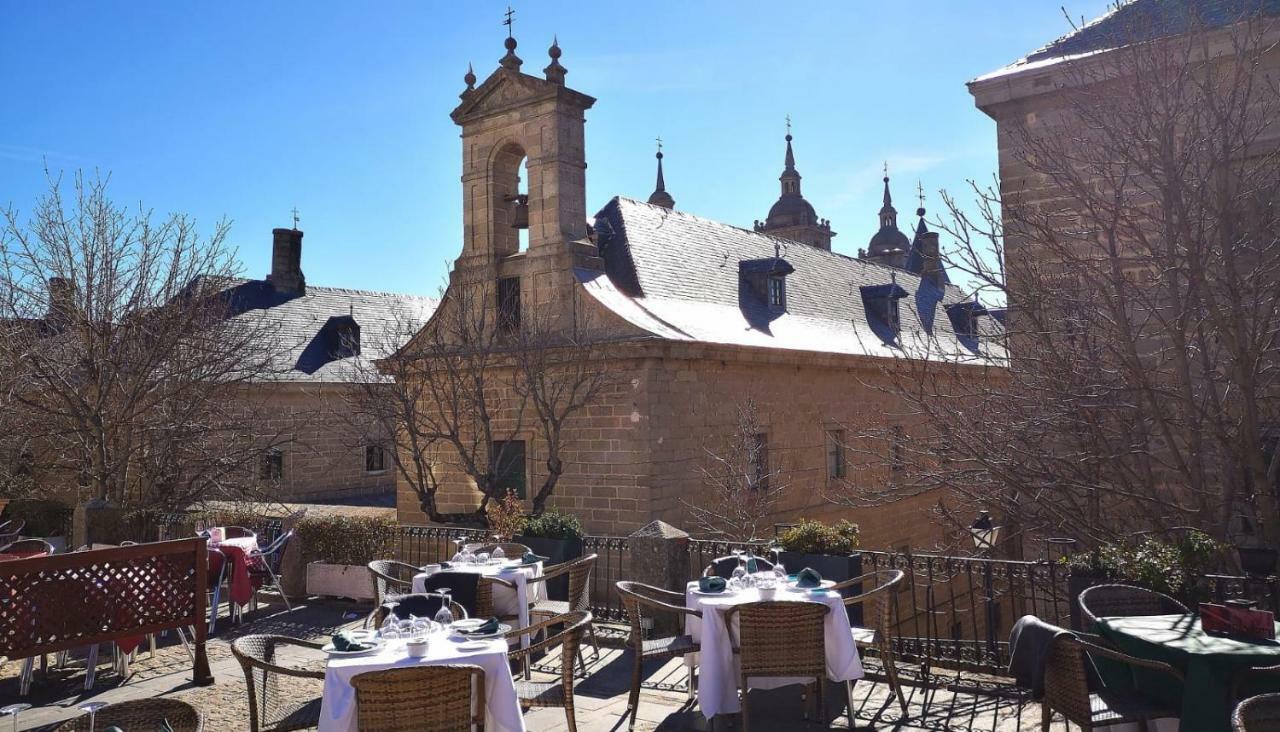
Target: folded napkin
[711,584]
[531,558]
[343,642]
[808,578]
[488,627]
[446,565]
[752,565]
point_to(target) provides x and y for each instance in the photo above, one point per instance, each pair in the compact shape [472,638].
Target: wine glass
[482,558]
[444,616]
[498,554]
[458,553]
[92,708]
[779,571]
[13,710]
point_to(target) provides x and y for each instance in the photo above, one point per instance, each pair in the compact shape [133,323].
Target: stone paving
[951,701]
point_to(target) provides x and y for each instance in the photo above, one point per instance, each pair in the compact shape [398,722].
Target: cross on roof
[295,217]
[508,22]
[788,124]
[920,192]
[886,168]
[659,143]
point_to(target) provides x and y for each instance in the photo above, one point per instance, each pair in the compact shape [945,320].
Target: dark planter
[557,551]
[1257,560]
[833,567]
[1078,582]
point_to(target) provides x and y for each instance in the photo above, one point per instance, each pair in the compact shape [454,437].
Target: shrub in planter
[828,549]
[337,548]
[557,536]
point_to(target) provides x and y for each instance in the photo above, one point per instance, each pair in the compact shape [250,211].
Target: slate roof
[1138,21]
[676,276]
[297,323]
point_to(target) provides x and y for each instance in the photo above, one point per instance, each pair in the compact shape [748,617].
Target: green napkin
[445,565]
[342,642]
[531,558]
[752,566]
[808,578]
[711,584]
[488,627]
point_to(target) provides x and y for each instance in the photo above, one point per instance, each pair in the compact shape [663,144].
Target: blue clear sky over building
[248,109]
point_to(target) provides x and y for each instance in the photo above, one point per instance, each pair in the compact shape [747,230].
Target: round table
[1210,664]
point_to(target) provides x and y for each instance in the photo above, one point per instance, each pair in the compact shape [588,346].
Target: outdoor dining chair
[265,567]
[724,566]
[27,546]
[640,600]
[579,597]
[1122,601]
[237,532]
[472,591]
[557,693]
[419,699]
[270,710]
[10,530]
[140,714]
[1257,714]
[779,639]
[418,605]
[389,578]
[879,634]
[1066,686]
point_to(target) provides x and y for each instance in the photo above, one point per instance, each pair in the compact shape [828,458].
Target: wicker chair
[1066,687]
[579,571]
[724,566]
[779,639]
[389,578]
[140,714]
[269,710]
[1119,601]
[419,699]
[1257,714]
[636,598]
[27,546]
[423,605]
[880,635]
[557,693]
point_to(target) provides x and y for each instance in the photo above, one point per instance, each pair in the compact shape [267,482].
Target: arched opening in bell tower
[511,200]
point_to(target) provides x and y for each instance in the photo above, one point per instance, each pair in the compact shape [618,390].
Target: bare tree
[122,373]
[743,487]
[469,384]
[1135,241]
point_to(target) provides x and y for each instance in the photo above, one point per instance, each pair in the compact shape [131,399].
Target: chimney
[286,262]
[931,261]
[62,299]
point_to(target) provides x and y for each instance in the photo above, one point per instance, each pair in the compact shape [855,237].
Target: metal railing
[419,545]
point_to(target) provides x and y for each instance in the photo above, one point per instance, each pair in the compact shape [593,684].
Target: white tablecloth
[717,667]
[505,602]
[502,708]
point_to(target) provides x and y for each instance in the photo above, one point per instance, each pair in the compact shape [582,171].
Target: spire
[554,71]
[920,225]
[511,60]
[888,214]
[660,197]
[790,177]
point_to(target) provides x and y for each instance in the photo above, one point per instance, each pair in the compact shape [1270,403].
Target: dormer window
[881,303]
[766,280]
[342,336]
[964,318]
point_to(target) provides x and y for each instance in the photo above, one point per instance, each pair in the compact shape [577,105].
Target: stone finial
[659,530]
[470,78]
[511,60]
[554,71]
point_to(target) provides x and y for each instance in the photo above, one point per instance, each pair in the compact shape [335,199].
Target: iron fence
[419,545]
[611,566]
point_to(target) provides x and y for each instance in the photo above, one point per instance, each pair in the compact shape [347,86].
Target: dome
[791,211]
[888,239]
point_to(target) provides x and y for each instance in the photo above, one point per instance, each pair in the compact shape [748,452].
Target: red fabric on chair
[22,555]
[242,585]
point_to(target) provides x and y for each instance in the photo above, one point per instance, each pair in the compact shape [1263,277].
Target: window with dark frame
[375,457]
[835,454]
[509,467]
[272,465]
[760,461]
[509,304]
[777,291]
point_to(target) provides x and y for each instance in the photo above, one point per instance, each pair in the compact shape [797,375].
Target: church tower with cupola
[792,217]
[888,246]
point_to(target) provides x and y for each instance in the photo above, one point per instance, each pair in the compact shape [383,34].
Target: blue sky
[247,109]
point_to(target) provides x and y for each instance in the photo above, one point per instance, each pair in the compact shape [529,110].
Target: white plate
[473,646]
[502,630]
[377,645]
[725,591]
[467,623]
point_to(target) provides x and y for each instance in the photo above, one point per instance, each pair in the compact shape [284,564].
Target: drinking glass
[13,710]
[498,555]
[92,708]
[482,558]
[458,553]
[779,571]
[444,615]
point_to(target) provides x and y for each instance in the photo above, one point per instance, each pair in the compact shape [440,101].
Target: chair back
[390,577]
[236,532]
[420,605]
[1066,679]
[636,596]
[428,698]
[580,570]
[11,530]
[880,597]
[1257,714]
[217,567]
[724,566]
[776,638]
[264,658]
[140,714]
[28,546]
[574,626]
[466,589]
[1104,601]
[273,555]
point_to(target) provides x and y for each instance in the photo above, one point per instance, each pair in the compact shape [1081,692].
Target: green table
[1209,663]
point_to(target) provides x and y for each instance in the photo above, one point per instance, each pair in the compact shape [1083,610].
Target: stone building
[325,337]
[699,316]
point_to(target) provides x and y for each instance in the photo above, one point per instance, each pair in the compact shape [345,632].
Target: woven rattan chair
[878,634]
[557,693]
[389,577]
[1066,687]
[140,714]
[422,605]
[1257,714]
[724,566]
[484,597]
[28,546]
[579,598]
[638,598]
[779,639]
[1120,601]
[418,699]
[269,709]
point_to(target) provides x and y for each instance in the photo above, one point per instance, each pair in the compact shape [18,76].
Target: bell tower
[509,119]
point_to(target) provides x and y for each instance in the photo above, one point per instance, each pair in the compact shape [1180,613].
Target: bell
[519,210]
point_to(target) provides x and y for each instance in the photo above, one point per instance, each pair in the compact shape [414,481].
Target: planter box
[339,580]
[558,550]
[833,567]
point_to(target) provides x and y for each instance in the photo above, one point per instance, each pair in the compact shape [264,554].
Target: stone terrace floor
[953,701]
